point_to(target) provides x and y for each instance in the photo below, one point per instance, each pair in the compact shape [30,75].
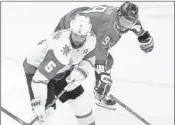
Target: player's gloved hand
[104,83]
[146,42]
[147,47]
[38,105]
[75,78]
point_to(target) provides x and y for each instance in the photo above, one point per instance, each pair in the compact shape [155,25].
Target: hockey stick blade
[129,110]
[110,108]
[13,116]
[59,95]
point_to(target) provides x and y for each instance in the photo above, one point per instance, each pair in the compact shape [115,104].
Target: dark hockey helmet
[129,11]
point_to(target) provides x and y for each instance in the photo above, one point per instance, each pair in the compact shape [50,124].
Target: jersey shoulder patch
[61,47]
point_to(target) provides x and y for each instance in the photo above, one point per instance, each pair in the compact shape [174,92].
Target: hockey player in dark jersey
[109,23]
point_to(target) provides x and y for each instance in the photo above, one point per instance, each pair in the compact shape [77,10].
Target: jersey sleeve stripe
[91,63]
[43,82]
[90,54]
[84,116]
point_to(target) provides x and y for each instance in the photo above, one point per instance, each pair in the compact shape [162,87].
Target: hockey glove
[104,83]
[75,78]
[38,106]
[146,42]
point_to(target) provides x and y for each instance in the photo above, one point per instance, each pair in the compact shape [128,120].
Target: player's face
[77,39]
[125,23]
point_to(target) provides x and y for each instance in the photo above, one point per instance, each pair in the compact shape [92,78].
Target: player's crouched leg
[104,83]
[61,84]
[51,93]
[82,107]
[79,100]
[29,73]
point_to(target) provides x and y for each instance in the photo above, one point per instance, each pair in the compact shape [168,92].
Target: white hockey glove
[75,78]
[38,106]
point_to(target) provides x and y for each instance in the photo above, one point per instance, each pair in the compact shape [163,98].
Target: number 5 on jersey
[50,66]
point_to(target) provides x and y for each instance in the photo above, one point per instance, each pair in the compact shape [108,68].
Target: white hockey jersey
[56,55]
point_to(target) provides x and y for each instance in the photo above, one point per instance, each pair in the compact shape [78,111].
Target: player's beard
[76,43]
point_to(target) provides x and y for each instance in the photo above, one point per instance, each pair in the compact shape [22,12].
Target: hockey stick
[53,101]
[36,118]
[130,110]
[13,116]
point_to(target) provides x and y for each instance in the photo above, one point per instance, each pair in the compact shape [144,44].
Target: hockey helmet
[129,11]
[80,25]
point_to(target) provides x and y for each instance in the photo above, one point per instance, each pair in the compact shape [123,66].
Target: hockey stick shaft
[129,110]
[13,116]
[59,95]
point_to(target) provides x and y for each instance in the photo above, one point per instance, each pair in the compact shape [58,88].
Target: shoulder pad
[61,47]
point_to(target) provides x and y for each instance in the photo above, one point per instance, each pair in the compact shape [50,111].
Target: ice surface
[144,82]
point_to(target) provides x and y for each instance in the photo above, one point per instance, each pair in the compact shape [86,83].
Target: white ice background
[144,82]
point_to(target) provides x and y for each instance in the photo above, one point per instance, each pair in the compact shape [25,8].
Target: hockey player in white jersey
[60,62]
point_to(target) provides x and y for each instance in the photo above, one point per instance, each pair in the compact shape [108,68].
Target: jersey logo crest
[66,50]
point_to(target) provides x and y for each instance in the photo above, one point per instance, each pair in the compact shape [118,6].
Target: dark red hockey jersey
[104,25]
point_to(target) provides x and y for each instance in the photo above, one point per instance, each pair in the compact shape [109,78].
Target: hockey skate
[105,102]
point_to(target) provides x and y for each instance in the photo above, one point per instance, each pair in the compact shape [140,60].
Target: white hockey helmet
[80,25]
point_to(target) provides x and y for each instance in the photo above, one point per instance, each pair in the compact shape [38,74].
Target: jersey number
[106,40]
[49,67]
[96,9]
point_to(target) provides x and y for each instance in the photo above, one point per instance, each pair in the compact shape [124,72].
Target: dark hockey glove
[103,84]
[146,42]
